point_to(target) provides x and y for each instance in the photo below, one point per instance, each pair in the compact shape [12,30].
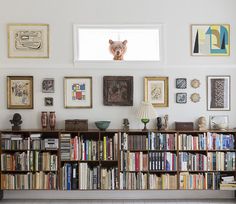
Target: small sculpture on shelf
[16,121]
[126,124]
[202,123]
[44,119]
[159,123]
[52,120]
[165,125]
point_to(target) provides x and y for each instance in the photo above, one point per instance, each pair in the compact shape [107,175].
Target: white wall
[62,14]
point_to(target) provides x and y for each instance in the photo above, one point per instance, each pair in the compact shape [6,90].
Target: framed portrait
[218,93]
[156,91]
[48,101]
[48,85]
[210,40]
[78,92]
[20,92]
[118,90]
[219,122]
[181,98]
[181,83]
[28,40]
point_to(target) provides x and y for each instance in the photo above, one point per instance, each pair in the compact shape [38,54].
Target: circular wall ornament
[195,97]
[195,83]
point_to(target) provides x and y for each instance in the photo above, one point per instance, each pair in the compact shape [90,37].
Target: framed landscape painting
[156,91]
[211,40]
[28,40]
[78,92]
[20,92]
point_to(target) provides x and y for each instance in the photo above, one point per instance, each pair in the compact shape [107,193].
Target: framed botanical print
[28,40]
[20,92]
[78,92]
[218,93]
[118,90]
[156,91]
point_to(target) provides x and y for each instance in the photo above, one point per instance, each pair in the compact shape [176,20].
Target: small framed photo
[78,92]
[181,83]
[181,97]
[20,92]
[219,122]
[118,90]
[28,40]
[156,91]
[48,85]
[48,101]
[218,93]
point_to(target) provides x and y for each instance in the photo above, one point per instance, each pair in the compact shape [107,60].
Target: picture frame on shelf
[20,92]
[181,83]
[118,90]
[28,41]
[48,101]
[48,85]
[181,98]
[218,93]
[78,92]
[219,122]
[156,91]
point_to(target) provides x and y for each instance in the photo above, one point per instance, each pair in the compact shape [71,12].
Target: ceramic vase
[52,120]
[44,119]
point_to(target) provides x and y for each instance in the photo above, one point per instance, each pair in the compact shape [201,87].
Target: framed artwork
[211,40]
[195,97]
[156,91]
[28,40]
[181,83]
[78,92]
[181,98]
[20,92]
[48,85]
[219,122]
[48,101]
[218,93]
[118,90]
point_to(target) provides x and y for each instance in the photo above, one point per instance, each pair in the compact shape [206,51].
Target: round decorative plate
[195,97]
[195,83]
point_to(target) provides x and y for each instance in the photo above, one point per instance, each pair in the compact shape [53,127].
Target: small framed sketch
[181,83]
[20,92]
[218,93]
[220,122]
[48,101]
[28,40]
[78,92]
[118,90]
[48,85]
[181,98]
[156,91]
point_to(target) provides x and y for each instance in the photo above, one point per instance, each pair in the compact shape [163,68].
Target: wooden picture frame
[156,91]
[20,92]
[118,90]
[78,92]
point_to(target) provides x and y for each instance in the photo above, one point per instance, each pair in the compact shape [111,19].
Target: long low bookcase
[117,160]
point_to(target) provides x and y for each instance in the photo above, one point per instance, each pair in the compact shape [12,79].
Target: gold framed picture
[156,91]
[28,40]
[20,92]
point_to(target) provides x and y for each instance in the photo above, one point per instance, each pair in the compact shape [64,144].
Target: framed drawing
[48,101]
[181,83]
[219,122]
[211,40]
[218,93]
[48,85]
[181,98]
[118,90]
[28,40]
[20,92]
[156,91]
[78,92]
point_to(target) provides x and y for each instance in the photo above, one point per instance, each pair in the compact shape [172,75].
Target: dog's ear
[124,42]
[111,41]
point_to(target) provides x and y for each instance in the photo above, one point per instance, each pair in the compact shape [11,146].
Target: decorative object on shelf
[118,49]
[78,92]
[76,125]
[20,92]
[52,120]
[44,119]
[211,40]
[165,125]
[159,123]
[102,125]
[181,83]
[16,121]
[195,83]
[195,97]
[156,91]
[218,93]
[184,125]
[125,124]
[28,40]
[48,85]
[145,113]
[181,97]
[202,123]
[118,90]
[219,122]
[48,101]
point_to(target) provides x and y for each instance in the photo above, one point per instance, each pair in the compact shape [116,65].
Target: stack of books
[228,183]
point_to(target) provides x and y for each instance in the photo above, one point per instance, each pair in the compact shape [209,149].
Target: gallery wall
[176,17]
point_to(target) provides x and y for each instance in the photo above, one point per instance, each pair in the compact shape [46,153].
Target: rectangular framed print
[218,93]
[156,91]
[20,92]
[28,40]
[78,92]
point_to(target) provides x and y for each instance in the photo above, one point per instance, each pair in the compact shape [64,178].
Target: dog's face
[118,48]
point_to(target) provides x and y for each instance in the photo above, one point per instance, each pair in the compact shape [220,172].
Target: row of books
[220,141]
[160,141]
[38,180]
[163,181]
[69,176]
[221,161]
[89,149]
[133,181]
[135,142]
[109,148]
[192,142]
